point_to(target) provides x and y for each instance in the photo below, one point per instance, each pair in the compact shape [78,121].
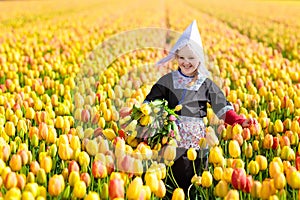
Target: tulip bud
[56,185]
[83,158]
[192,154]
[152,181]
[268,141]
[178,194]
[234,149]
[262,162]
[41,176]
[215,155]
[134,188]
[253,167]
[232,195]
[218,173]
[34,167]
[15,162]
[293,179]
[109,134]
[46,164]
[116,188]
[92,196]
[161,192]
[221,189]
[211,138]
[255,145]
[145,120]
[206,179]
[274,169]
[98,169]
[279,181]
[238,178]
[202,143]
[10,129]
[79,190]
[169,153]
[278,126]
[256,189]
[267,189]
[13,193]
[10,180]
[92,147]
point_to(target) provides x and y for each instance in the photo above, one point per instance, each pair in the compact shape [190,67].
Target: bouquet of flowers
[153,122]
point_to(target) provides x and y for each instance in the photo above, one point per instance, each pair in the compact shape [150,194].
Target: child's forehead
[186,51]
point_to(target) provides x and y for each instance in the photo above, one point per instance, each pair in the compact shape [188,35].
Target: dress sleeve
[218,101]
[157,91]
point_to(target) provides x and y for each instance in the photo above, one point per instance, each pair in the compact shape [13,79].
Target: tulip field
[74,75]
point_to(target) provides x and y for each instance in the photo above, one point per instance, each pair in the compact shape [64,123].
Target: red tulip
[249,184]
[275,143]
[238,179]
[298,162]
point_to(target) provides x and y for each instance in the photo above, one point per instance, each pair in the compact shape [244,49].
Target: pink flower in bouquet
[172,118]
[171,133]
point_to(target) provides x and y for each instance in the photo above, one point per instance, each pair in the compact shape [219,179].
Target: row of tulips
[258,21]
[47,153]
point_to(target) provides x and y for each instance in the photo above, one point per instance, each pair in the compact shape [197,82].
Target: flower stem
[174,178]
[194,167]
[189,191]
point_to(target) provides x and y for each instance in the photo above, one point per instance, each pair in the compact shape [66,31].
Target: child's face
[188,61]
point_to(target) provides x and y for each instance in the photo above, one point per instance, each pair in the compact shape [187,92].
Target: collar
[184,74]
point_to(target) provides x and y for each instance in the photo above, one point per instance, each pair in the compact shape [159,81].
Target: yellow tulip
[74,177]
[206,179]
[145,109]
[234,149]
[215,155]
[29,113]
[221,189]
[46,163]
[278,126]
[13,193]
[256,189]
[267,189]
[152,181]
[262,162]
[161,192]
[253,167]
[192,154]
[109,134]
[227,173]
[279,181]
[134,188]
[232,195]
[145,120]
[79,190]
[218,173]
[92,196]
[169,153]
[10,129]
[178,194]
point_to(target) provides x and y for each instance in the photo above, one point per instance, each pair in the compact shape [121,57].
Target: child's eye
[191,58]
[181,57]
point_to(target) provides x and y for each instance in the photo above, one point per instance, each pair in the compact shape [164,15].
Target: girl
[191,87]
